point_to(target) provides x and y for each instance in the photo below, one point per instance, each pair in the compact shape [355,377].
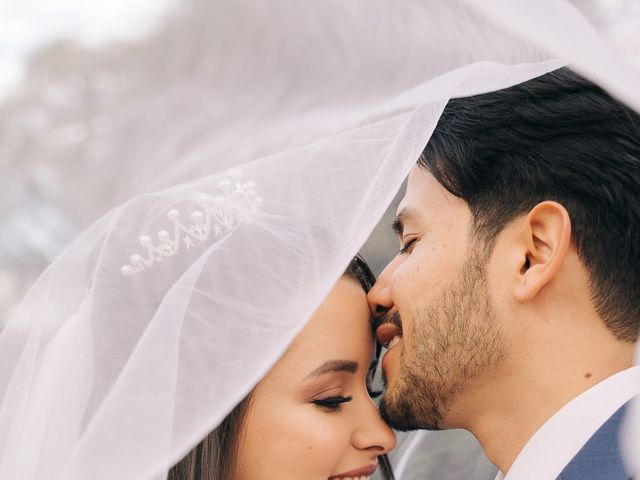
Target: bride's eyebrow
[332,366]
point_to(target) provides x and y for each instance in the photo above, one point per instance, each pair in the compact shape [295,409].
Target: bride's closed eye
[332,403]
[330,398]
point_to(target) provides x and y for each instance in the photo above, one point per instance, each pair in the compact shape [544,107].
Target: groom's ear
[543,240]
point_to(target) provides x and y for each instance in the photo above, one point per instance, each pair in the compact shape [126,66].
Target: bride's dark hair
[359,270]
[215,457]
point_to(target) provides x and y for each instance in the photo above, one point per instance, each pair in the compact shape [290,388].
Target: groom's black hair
[556,137]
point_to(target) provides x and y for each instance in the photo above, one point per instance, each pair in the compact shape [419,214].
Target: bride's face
[311,416]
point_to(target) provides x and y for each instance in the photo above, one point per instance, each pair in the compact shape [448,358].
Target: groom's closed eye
[406,226]
[405,216]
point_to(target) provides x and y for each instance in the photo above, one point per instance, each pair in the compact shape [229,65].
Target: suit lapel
[600,457]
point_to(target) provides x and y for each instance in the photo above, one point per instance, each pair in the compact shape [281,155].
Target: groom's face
[436,309]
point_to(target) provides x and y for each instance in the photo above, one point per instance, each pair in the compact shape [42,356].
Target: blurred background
[65,67]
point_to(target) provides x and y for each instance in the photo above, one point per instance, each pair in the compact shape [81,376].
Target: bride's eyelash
[332,403]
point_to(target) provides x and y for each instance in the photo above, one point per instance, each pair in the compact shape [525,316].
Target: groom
[513,307]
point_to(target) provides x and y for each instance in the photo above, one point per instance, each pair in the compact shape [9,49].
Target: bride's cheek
[288,441]
[317,429]
[312,440]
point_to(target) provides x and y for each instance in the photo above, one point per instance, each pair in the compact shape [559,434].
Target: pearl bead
[173,214]
[145,240]
[126,270]
[163,235]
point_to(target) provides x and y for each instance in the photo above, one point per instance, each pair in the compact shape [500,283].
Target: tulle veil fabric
[274,139]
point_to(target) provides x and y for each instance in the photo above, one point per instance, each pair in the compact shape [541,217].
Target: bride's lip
[358,472]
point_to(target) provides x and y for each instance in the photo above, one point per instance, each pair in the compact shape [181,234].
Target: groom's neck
[505,407]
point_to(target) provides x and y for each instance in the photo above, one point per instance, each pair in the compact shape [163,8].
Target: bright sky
[27,24]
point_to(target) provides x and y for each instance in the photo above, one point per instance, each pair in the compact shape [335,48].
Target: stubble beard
[455,338]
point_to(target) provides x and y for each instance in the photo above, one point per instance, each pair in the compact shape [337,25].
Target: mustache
[387,316]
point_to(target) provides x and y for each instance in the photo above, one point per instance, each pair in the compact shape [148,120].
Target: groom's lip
[386,331]
[387,362]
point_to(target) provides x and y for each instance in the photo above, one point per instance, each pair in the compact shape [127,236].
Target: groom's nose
[380,296]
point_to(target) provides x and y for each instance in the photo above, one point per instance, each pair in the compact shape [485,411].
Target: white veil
[261,143]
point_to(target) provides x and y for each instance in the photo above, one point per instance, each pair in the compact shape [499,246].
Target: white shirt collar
[571,427]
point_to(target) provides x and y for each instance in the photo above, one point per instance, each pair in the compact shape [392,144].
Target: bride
[311,416]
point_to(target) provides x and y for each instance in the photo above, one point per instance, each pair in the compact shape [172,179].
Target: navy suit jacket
[600,458]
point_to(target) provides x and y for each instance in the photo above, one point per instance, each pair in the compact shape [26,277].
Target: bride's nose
[373,433]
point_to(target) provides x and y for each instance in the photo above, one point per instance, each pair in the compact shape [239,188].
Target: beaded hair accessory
[212,217]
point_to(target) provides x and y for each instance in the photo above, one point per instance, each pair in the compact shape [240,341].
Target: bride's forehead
[342,316]
[346,305]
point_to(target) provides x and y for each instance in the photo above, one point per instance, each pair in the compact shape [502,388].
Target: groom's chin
[403,415]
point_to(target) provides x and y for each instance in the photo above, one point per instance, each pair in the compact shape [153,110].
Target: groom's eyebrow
[401,219]
[332,366]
